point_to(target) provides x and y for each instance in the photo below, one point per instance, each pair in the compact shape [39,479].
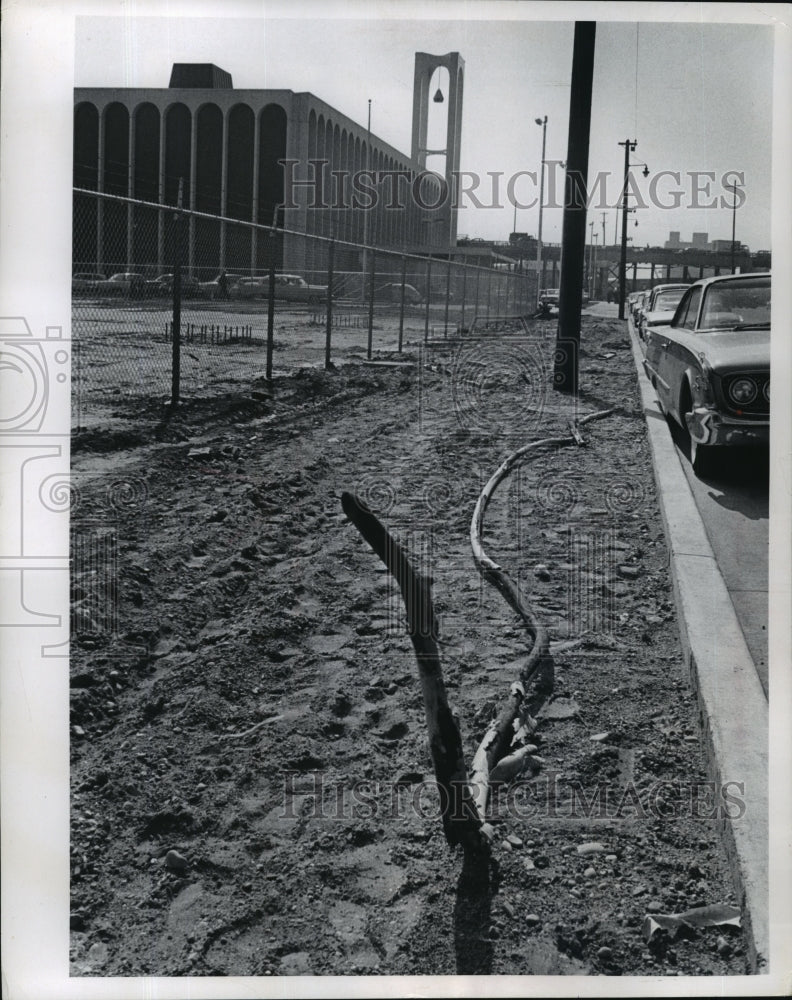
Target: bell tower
[425,65]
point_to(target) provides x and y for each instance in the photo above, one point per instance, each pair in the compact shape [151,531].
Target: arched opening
[272,148]
[115,181]
[178,134]
[85,174]
[146,127]
[208,181]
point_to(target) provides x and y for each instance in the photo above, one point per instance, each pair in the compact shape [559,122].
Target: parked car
[637,306]
[391,292]
[288,287]
[163,285]
[660,306]
[214,289]
[294,288]
[127,283]
[88,283]
[251,288]
[710,365]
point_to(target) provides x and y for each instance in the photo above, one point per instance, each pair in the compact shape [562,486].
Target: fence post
[271,303]
[329,319]
[447,296]
[489,292]
[177,261]
[372,273]
[478,282]
[464,292]
[428,297]
[401,307]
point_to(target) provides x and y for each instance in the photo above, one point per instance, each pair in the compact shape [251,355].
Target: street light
[543,123]
[629,147]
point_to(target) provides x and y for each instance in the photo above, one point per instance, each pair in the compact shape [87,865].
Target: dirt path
[257,711]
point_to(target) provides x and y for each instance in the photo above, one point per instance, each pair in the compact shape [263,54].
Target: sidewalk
[732,703]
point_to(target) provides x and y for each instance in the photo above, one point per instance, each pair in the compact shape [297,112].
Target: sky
[695,96]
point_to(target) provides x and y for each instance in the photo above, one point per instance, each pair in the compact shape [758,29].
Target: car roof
[722,278]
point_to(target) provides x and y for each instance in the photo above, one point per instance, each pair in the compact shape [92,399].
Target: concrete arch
[85,162]
[178,133]
[240,123]
[146,138]
[209,124]
[273,126]
[115,135]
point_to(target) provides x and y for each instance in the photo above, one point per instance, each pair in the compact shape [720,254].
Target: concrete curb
[732,704]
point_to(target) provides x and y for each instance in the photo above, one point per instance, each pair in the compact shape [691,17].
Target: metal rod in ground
[401,306]
[372,273]
[428,297]
[573,245]
[177,258]
[329,317]
[271,305]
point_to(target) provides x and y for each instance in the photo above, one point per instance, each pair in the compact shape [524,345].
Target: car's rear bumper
[708,426]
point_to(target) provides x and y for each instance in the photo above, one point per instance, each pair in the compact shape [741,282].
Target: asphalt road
[734,506]
[733,503]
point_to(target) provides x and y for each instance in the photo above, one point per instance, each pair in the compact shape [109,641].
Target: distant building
[225,147]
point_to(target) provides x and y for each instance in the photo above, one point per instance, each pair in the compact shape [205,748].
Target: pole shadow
[478,883]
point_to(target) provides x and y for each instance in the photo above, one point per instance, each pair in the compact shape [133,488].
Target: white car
[125,283]
[660,307]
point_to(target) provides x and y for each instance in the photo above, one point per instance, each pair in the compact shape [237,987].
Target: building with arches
[266,157]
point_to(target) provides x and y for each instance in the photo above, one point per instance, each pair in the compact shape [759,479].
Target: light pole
[543,123]
[734,223]
[629,147]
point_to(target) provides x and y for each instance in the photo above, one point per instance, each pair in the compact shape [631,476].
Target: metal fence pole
[447,296]
[329,318]
[401,306]
[464,292]
[177,262]
[478,282]
[489,293]
[271,304]
[428,296]
[372,273]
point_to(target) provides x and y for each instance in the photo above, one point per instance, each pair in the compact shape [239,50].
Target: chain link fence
[169,303]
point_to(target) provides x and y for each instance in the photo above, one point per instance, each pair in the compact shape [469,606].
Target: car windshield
[736,305]
[668,301]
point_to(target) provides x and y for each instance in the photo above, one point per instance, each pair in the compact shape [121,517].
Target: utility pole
[734,223]
[543,123]
[629,147]
[573,240]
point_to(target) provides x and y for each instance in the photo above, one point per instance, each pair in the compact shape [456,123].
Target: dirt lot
[251,781]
